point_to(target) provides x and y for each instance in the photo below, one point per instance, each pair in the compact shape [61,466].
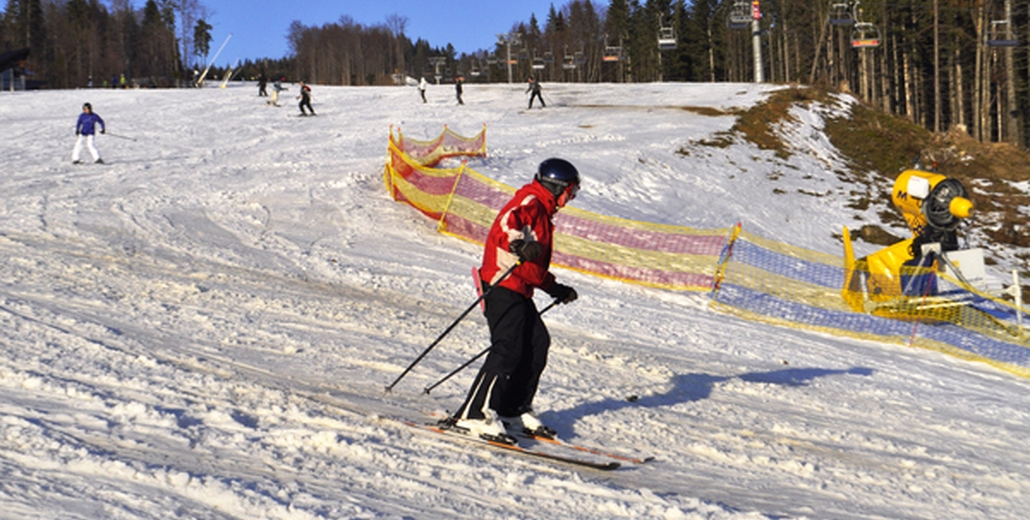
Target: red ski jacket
[527,216]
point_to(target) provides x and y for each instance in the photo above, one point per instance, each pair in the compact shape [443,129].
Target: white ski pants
[86,139]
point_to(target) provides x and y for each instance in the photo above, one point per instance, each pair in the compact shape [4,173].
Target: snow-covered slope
[203,326]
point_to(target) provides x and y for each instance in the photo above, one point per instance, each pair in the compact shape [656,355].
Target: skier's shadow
[693,387]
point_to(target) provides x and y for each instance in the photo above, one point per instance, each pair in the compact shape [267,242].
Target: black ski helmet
[89,106]
[556,175]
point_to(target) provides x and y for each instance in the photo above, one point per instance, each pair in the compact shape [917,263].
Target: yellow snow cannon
[901,280]
[926,198]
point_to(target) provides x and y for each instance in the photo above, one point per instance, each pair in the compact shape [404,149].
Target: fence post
[1017,292]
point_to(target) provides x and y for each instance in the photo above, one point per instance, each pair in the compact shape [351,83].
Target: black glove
[76,132]
[562,293]
[526,251]
[103,130]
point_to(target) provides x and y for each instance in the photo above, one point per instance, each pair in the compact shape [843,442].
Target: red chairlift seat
[865,35]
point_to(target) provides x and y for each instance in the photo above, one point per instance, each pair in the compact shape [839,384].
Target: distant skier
[277,87]
[458,89]
[84,129]
[262,83]
[520,239]
[305,99]
[534,86]
[422,86]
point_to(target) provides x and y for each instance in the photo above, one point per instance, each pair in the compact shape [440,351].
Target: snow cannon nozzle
[961,207]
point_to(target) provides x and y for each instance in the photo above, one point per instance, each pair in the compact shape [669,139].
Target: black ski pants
[508,380]
[536,95]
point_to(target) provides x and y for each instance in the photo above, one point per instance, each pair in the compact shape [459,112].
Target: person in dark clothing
[521,236]
[458,89]
[534,86]
[305,99]
[262,83]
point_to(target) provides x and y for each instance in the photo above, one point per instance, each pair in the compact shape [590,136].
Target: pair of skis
[554,450]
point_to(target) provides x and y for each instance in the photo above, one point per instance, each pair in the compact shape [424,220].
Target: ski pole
[389,388]
[473,360]
[133,139]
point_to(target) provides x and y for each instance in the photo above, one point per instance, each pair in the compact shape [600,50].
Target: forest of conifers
[943,64]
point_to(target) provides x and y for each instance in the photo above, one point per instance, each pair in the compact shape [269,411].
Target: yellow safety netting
[795,287]
[745,274]
[465,203]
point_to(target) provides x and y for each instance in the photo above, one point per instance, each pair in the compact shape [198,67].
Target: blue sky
[259,27]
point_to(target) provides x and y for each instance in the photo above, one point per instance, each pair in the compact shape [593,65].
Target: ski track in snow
[203,327]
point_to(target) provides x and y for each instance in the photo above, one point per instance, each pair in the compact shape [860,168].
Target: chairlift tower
[508,40]
[756,40]
[436,62]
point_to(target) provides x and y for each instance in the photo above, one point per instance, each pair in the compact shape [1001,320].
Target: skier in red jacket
[522,234]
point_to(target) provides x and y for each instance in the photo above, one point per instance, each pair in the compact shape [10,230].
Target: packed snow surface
[203,326]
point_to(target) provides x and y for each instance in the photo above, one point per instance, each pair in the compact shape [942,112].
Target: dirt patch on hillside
[879,146]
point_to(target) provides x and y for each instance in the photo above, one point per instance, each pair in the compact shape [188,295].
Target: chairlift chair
[612,53]
[569,62]
[548,57]
[538,63]
[666,39]
[740,14]
[579,58]
[842,13]
[865,35]
[999,34]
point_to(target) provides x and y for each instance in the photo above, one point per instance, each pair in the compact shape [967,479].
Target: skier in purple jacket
[85,128]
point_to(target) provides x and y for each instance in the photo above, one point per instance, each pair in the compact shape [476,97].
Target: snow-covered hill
[203,326]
